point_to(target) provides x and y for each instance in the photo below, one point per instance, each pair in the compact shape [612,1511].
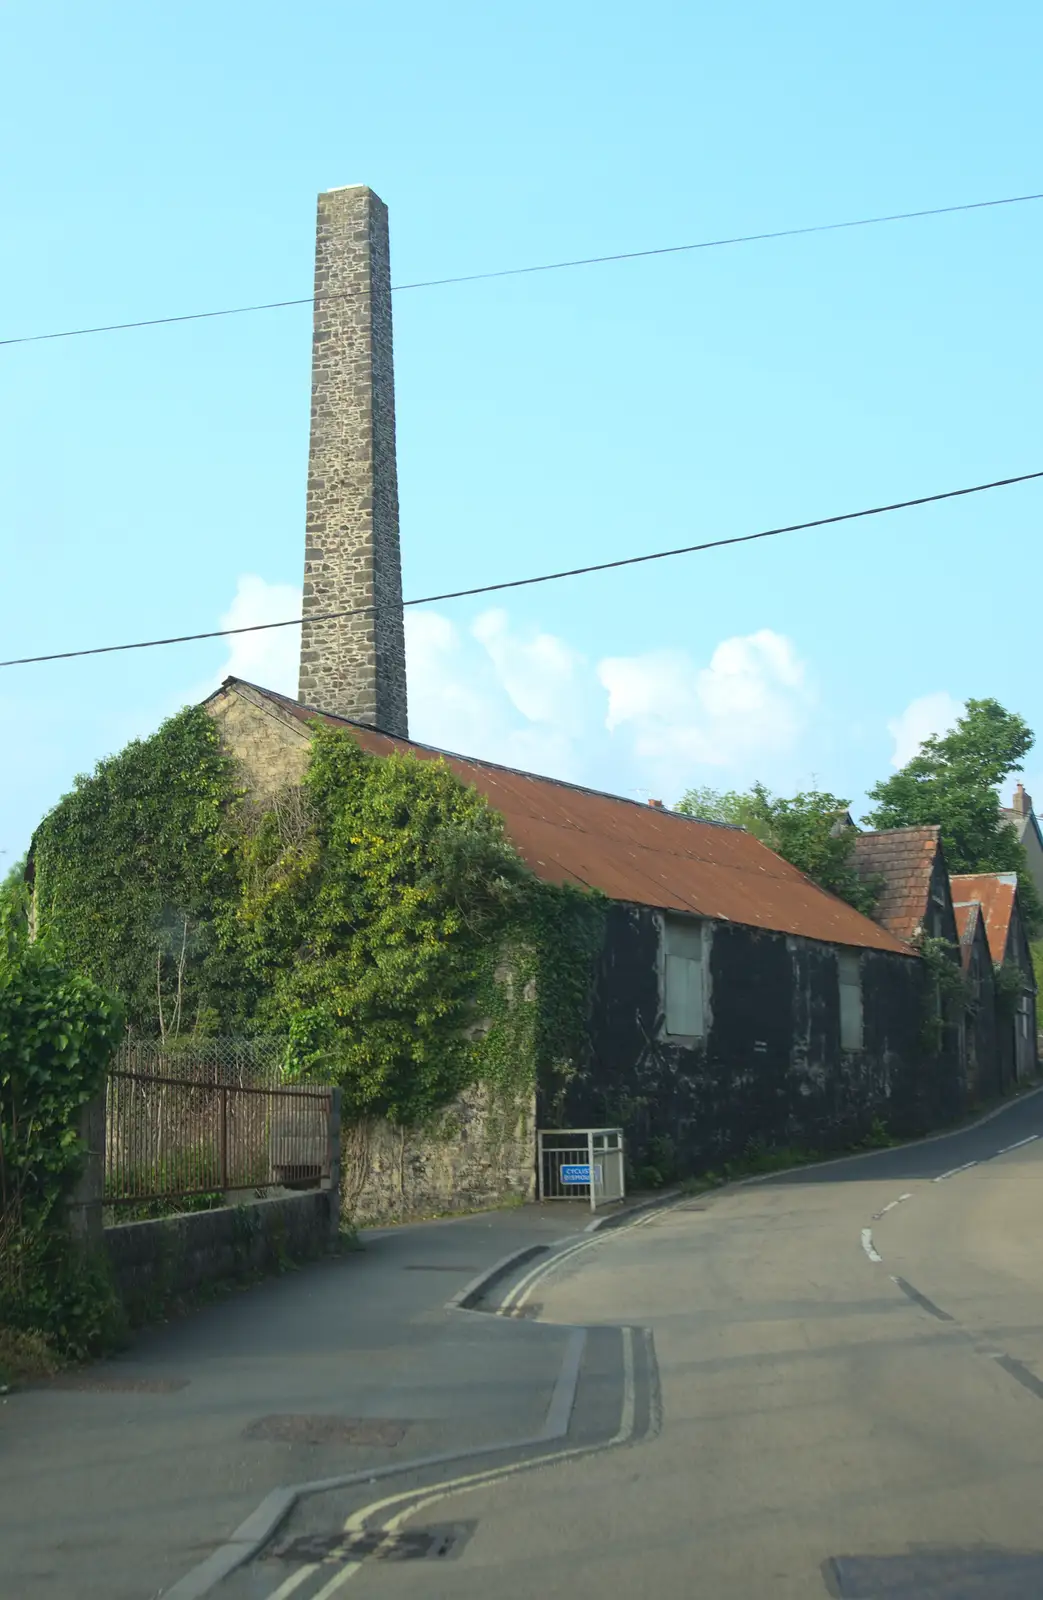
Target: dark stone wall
[986,1077]
[156,1262]
[1023,1051]
[770,1070]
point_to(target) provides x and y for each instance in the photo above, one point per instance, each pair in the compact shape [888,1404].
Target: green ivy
[1009,984]
[129,868]
[368,925]
[945,988]
[376,919]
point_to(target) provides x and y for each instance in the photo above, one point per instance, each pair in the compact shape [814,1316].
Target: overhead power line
[545,266]
[543,577]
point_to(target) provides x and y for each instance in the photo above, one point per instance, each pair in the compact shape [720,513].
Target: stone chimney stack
[1022,805]
[354,666]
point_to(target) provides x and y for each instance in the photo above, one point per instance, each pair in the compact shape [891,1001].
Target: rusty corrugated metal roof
[995,892]
[904,858]
[635,852]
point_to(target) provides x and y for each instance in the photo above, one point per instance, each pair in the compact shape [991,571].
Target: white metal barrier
[574,1162]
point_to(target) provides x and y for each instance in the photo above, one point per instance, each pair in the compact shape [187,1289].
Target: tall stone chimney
[1022,802]
[354,666]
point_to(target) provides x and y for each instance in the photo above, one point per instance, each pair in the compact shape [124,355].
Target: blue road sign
[580,1174]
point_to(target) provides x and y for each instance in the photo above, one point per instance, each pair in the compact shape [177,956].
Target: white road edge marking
[516,1297]
[356,1523]
[867,1245]
[1017,1146]
[967,1165]
[890,1206]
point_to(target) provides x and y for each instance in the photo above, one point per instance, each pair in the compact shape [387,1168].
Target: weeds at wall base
[25,1358]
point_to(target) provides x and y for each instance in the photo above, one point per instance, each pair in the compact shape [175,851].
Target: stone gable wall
[481,1151]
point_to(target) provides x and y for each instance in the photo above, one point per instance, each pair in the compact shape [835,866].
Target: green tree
[807,830]
[953,782]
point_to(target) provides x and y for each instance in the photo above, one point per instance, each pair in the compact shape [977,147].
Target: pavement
[117,1480]
[829,1382]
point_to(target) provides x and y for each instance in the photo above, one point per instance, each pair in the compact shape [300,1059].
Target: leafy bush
[58,1032]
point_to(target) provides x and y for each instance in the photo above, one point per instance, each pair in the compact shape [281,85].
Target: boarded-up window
[683,978]
[850,975]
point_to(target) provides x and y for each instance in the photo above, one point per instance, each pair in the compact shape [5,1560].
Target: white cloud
[750,700]
[517,700]
[540,673]
[269,658]
[448,706]
[930,714]
[528,699]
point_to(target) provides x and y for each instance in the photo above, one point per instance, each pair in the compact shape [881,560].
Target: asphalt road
[842,1393]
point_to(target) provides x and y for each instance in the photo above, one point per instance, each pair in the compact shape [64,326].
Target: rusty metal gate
[576,1163]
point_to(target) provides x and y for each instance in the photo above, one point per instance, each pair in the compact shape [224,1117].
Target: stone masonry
[354,666]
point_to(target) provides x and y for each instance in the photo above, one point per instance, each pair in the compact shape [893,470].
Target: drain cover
[294,1428]
[928,1574]
[415,1544]
[440,1266]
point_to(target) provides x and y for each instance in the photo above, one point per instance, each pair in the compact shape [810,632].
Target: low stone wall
[154,1262]
[480,1152]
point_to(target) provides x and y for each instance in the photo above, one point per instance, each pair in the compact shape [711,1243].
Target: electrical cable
[544,577]
[546,266]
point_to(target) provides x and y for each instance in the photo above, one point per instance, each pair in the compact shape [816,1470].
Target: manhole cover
[293,1428]
[414,1544]
[84,1383]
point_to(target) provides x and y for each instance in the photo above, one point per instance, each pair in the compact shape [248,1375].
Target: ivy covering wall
[376,918]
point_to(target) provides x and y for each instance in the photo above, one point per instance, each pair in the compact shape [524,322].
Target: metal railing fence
[580,1163]
[211,1120]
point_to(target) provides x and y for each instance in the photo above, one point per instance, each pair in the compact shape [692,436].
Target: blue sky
[167,159]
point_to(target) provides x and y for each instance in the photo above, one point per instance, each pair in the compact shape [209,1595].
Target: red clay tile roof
[904,858]
[995,893]
[636,853]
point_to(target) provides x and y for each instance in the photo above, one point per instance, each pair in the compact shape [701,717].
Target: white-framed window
[683,997]
[849,979]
